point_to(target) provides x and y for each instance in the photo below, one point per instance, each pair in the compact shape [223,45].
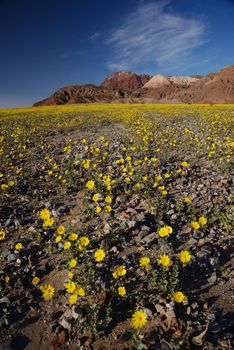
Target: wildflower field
[116,227]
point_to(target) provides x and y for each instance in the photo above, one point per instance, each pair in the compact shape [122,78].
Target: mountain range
[129,87]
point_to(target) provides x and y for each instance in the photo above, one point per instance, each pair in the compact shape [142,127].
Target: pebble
[213,278]
[11,257]
[4,253]
[5,300]
[3,322]
[149,238]
[65,324]
[140,217]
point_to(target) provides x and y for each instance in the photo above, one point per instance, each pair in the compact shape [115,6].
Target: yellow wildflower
[96,197]
[202,220]
[184,256]
[35,280]
[99,255]
[80,291]
[187,200]
[70,287]
[195,225]
[144,262]
[84,241]
[66,245]
[122,291]
[47,291]
[108,199]
[98,210]
[165,231]
[19,246]
[139,319]
[58,239]
[60,230]
[184,164]
[48,223]
[164,260]
[119,271]
[73,236]
[179,297]
[72,263]
[90,184]
[108,208]
[44,214]
[70,274]
[7,279]
[2,234]
[73,299]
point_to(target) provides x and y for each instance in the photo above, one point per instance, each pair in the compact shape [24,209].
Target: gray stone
[3,322]
[11,257]
[5,300]
[140,217]
[149,238]
[213,278]
[114,250]
[4,253]
[66,325]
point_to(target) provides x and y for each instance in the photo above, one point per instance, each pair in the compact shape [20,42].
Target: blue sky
[47,44]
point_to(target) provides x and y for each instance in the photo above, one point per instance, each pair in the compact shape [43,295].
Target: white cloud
[118,66]
[94,35]
[153,35]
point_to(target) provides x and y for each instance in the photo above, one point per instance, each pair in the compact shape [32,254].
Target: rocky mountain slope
[159,80]
[80,94]
[131,87]
[125,81]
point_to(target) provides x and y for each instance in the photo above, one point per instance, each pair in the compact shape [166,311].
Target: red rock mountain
[131,87]
[125,81]
[80,94]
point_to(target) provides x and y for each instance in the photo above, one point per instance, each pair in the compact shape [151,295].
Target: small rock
[207,248]
[214,261]
[145,228]
[77,312]
[140,217]
[18,262]
[114,250]
[149,238]
[66,325]
[106,228]
[194,306]
[11,257]
[186,229]
[4,253]
[213,278]
[190,243]
[5,300]
[198,339]
[228,335]
[198,234]
[147,311]
[42,268]
[3,322]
